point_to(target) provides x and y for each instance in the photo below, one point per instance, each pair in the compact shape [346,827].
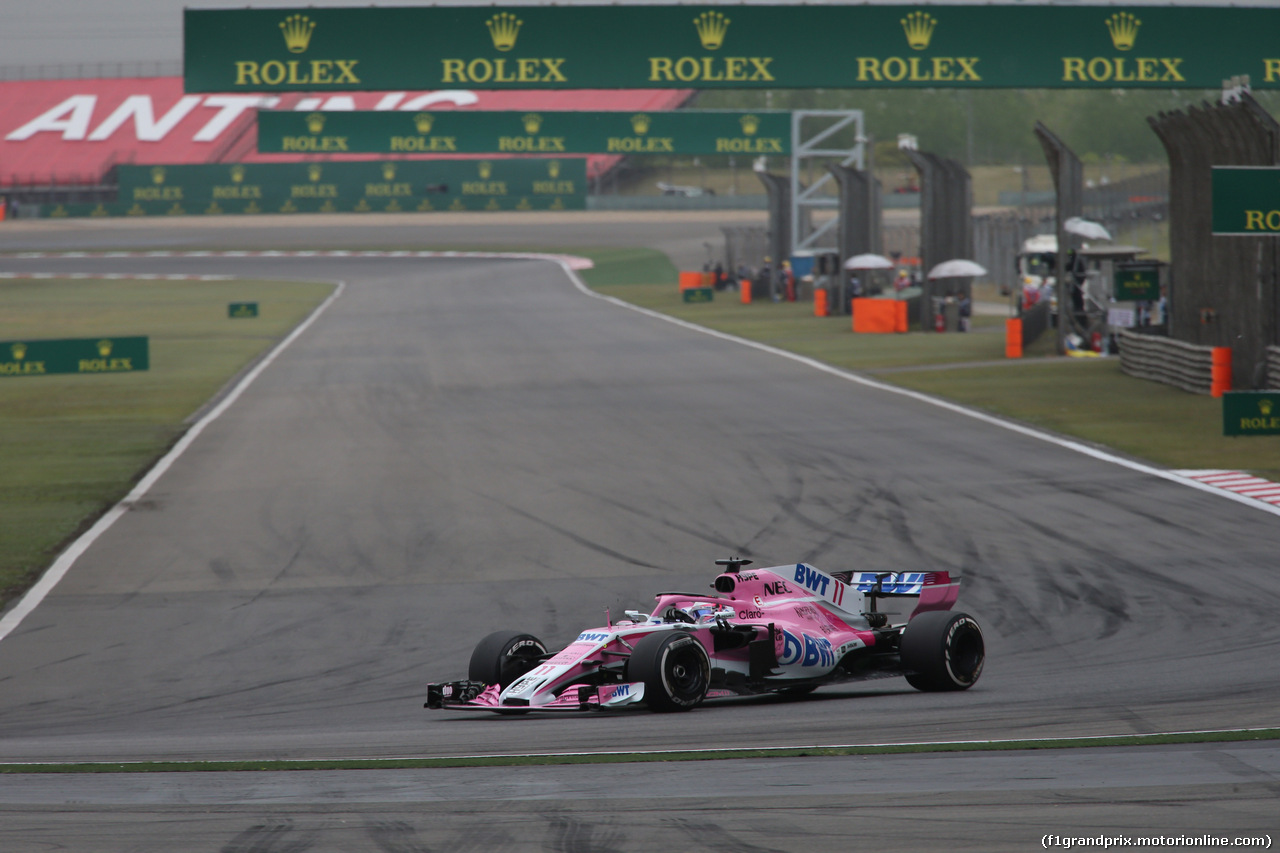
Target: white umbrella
[868,262]
[1086,228]
[958,268]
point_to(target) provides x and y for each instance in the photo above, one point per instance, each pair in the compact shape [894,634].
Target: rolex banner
[479,132]
[391,187]
[740,46]
[1251,413]
[1246,201]
[74,355]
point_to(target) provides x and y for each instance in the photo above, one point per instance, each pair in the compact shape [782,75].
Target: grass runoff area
[1086,398]
[75,444]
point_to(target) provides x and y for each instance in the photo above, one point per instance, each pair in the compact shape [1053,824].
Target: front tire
[942,651]
[504,656]
[675,670]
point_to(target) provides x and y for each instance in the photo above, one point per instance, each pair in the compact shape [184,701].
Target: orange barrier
[1220,380]
[879,316]
[744,291]
[819,303]
[1013,337]
[692,279]
[708,279]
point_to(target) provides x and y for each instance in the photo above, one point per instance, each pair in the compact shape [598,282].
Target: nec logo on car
[812,579]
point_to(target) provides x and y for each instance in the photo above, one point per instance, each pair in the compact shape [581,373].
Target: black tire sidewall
[492,660]
[650,663]
[931,647]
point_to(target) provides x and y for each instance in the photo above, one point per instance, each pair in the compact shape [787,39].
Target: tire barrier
[1182,365]
[1273,368]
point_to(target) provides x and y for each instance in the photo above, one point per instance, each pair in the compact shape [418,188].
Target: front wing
[478,696]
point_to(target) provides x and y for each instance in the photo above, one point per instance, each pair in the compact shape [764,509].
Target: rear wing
[935,590]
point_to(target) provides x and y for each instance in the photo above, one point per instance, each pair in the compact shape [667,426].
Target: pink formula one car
[786,629]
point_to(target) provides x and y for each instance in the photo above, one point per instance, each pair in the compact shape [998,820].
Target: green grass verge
[73,444]
[1088,399]
[1231,736]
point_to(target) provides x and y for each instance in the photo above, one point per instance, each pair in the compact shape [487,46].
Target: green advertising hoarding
[351,187]
[1251,413]
[482,132]
[741,46]
[74,355]
[1136,282]
[1246,201]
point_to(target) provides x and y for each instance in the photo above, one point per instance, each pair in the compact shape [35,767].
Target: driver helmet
[705,611]
[701,611]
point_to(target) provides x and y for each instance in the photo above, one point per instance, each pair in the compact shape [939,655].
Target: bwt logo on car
[619,692]
[588,637]
[806,650]
[812,579]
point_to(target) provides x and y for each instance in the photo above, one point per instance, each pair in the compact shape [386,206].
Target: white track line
[13,618]
[1021,429]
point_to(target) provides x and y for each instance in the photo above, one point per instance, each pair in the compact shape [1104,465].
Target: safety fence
[1225,291]
[84,70]
[998,237]
[745,248]
[1035,322]
[1162,359]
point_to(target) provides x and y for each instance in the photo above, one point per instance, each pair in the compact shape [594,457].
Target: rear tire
[675,670]
[504,656]
[942,650]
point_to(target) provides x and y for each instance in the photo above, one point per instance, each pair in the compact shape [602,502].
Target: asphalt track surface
[459,446]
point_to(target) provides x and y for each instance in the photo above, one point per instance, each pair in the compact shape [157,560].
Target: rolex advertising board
[1251,413]
[1135,282]
[385,186]
[74,355]
[482,132]
[1246,201]
[740,46]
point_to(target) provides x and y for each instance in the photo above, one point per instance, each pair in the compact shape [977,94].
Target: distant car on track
[785,629]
